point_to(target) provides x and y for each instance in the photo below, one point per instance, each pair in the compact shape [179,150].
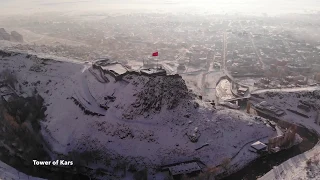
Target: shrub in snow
[225,163]
[158,93]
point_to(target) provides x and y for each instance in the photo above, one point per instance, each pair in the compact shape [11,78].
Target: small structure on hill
[153,71]
[242,90]
[259,146]
[114,69]
[189,168]
[266,107]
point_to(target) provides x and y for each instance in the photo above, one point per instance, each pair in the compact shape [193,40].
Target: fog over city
[160,89]
[154,24]
[186,6]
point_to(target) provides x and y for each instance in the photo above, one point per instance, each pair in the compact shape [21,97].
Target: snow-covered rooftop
[115,67]
[153,71]
[258,145]
[184,168]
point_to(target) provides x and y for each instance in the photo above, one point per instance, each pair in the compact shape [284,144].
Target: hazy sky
[197,6]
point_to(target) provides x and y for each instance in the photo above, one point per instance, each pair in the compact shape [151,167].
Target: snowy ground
[289,99]
[150,121]
[8,173]
[304,166]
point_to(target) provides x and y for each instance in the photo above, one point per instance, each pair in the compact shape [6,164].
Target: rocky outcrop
[194,135]
[160,93]
[14,36]
[4,35]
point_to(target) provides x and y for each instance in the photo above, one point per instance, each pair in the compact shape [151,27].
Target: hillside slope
[147,122]
[7,172]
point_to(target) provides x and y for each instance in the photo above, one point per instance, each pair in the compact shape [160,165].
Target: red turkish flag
[155,54]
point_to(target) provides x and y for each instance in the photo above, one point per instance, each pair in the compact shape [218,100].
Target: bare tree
[225,163]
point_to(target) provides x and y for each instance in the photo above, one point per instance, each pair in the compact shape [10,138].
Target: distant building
[289,78]
[302,82]
[114,69]
[265,80]
[284,82]
[242,90]
[298,68]
[281,62]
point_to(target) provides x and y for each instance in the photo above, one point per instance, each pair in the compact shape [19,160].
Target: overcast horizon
[251,7]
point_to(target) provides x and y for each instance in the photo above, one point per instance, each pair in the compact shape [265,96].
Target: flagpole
[157,60]
[157,63]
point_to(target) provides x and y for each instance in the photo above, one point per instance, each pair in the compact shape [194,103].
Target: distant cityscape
[161,95]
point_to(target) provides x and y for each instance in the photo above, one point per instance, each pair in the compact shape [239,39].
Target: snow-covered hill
[145,122]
